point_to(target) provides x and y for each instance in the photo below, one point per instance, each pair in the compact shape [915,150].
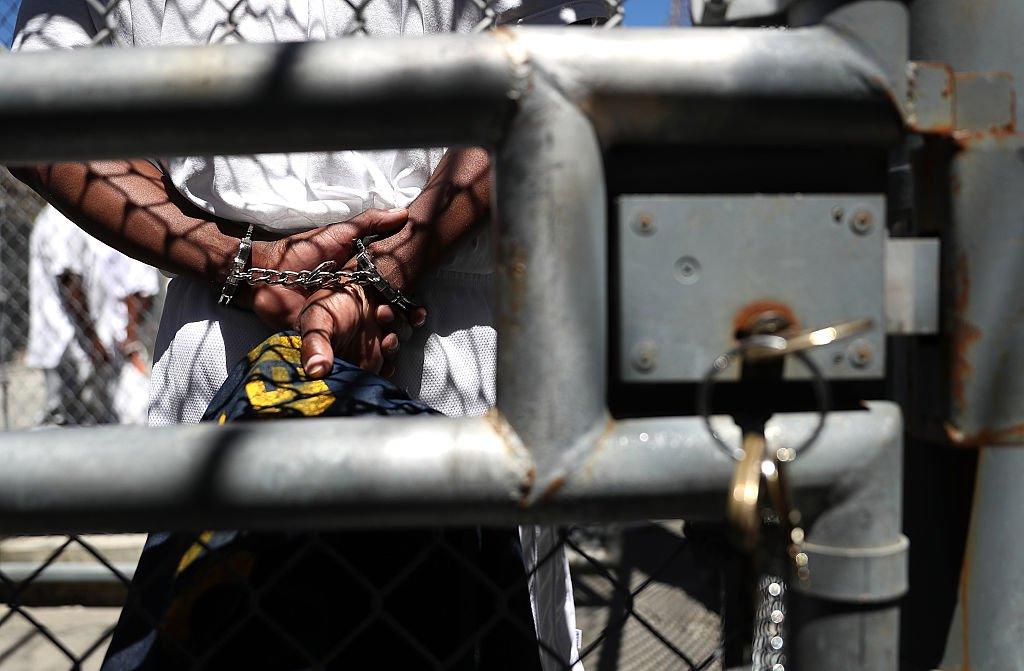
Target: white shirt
[56,247]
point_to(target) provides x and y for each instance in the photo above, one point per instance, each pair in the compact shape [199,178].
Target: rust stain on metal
[559,482]
[746,319]
[529,480]
[514,269]
[510,439]
[965,137]
[965,334]
[1011,435]
[553,488]
[945,128]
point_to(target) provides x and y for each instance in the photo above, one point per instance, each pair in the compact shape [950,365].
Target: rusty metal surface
[971,36]
[986,274]
[966,105]
[985,103]
[930,90]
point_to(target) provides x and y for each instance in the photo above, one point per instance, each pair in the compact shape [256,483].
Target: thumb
[319,331]
[378,222]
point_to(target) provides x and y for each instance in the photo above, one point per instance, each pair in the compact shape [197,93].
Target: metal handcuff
[324,276]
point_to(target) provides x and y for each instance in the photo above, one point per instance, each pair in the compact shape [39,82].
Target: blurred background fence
[645,598]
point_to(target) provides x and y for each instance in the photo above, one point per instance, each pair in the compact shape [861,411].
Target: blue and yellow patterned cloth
[270,384]
[395,599]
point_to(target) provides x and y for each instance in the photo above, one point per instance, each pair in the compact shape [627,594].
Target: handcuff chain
[322,277]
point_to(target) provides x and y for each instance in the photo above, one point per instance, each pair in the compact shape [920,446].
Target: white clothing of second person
[58,247]
[450,363]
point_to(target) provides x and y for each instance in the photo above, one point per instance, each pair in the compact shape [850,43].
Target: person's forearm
[135,306]
[455,200]
[128,205]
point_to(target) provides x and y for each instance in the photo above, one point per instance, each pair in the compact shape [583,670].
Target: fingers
[389,345]
[400,324]
[347,324]
[318,330]
[377,222]
[385,315]
[277,307]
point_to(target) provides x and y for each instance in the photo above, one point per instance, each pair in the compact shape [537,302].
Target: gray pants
[78,394]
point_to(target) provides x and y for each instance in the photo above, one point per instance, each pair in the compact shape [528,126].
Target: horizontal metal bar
[249,98]
[701,86]
[722,86]
[396,471]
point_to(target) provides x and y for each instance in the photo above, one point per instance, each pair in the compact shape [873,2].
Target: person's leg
[53,388]
[65,391]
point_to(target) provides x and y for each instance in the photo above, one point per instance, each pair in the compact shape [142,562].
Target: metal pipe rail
[364,472]
[807,86]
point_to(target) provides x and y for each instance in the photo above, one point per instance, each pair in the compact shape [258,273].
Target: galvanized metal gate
[654,190]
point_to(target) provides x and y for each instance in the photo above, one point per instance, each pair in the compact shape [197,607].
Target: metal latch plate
[691,266]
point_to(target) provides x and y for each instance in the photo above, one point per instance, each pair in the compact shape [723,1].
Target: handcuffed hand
[350,322]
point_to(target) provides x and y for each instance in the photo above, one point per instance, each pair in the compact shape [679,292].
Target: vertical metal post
[847,615]
[984,242]
[551,279]
[552,326]
[985,634]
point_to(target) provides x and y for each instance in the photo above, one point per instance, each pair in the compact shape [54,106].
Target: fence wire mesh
[646,597]
[334,600]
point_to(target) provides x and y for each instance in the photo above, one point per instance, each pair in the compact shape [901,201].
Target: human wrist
[265,254]
[398,257]
[258,255]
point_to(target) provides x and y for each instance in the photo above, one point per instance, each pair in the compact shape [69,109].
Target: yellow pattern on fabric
[235,568]
[194,552]
[279,358]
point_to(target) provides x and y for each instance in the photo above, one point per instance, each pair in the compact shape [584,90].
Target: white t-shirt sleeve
[54,24]
[58,242]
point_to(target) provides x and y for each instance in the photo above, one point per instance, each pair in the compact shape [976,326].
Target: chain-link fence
[77,326]
[646,597]
[78,321]
[446,601]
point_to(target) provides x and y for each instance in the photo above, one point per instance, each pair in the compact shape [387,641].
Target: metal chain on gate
[769,624]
